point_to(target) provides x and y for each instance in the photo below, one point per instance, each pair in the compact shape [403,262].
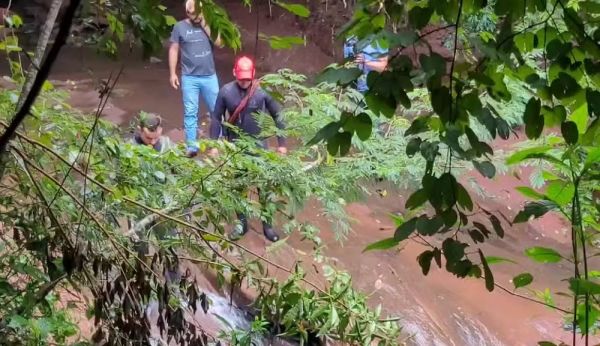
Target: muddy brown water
[437,309]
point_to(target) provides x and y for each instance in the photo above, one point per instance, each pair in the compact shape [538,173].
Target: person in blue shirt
[370,58]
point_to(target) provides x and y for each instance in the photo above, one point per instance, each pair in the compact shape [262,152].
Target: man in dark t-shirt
[246,91]
[191,38]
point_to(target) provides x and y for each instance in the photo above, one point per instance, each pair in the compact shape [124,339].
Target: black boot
[241,229]
[270,232]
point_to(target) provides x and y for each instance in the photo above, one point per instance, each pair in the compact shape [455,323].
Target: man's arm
[206,28]
[275,111]
[216,117]
[378,65]
[173,57]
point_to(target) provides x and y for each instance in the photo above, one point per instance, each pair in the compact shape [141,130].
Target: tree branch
[531,299]
[40,49]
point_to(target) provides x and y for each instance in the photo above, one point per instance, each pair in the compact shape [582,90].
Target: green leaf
[592,158]
[284,42]
[417,199]
[378,21]
[529,192]
[413,146]
[534,121]
[476,236]
[47,86]
[569,132]
[564,86]
[406,229]
[496,260]
[580,117]
[433,64]
[486,168]
[381,104]
[297,9]
[453,249]
[339,75]
[450,217]
[440,102]
[170,20]
[361,125]
[543,254]
[398,219]
[535,209]
[554,115]
[489,277]
[581,287]
[522,280]
[382,244]
[509,7]
[418,16]
[339,143]
[556,47]
[523,155]
[463,198]
[593,101]
[503,128]
[546,343]
[427,226]
[497,226]
[560,192]
[325,133]
[425,261]
[13,21]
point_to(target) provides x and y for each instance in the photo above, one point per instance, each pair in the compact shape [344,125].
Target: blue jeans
[191,88]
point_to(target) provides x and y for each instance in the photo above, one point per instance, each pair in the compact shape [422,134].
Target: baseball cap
[244,68]
[150,121]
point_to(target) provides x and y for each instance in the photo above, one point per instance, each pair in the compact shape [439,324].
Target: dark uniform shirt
[230,97]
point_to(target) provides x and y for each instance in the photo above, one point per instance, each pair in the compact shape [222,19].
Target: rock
[155,60]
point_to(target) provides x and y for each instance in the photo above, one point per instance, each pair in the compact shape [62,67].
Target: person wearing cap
[371,57]
[149,132]
[242,99]
[191,38]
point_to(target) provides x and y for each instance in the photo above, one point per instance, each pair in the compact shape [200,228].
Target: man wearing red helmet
[242,99]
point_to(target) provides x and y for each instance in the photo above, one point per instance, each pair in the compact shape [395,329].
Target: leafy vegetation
[548,48]
[507,63]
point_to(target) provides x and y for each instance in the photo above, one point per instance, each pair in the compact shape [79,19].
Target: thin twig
[168,217]
[454,110]
[531,299]
[213,171]
[104,95]
[110,237]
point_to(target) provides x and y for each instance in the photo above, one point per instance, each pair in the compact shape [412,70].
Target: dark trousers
[262,199]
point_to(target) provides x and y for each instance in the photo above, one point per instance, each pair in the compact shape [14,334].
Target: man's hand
[282,150]
[213,152]
[174,81]
[360,58]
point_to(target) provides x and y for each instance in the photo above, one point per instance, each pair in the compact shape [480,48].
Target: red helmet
[244,68]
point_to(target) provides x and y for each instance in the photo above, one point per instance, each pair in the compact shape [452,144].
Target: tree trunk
[40,50]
